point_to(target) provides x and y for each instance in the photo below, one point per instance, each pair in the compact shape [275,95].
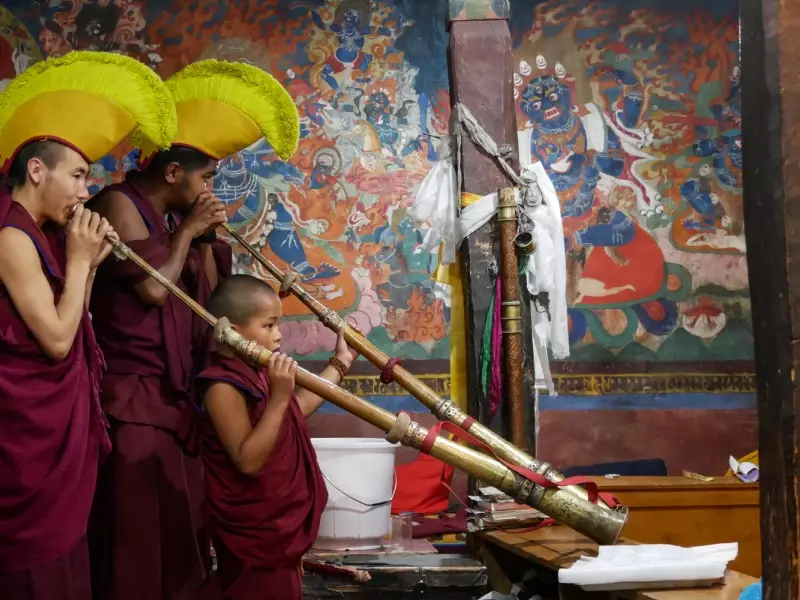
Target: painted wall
[633,107]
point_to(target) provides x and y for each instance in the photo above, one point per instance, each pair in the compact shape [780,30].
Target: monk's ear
[36,170]
[172,172]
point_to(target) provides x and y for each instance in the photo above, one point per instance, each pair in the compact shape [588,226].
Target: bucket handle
[367,504]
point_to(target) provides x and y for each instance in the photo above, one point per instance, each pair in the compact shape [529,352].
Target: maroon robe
[261,526]
[147,539]
[52,435]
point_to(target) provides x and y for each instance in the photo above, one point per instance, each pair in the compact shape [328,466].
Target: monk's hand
[281,370]
[346,354]
[106,247]
[207,213]
[85,235]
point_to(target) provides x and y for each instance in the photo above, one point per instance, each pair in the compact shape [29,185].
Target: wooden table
[508,554]
[734,584]
[687,512]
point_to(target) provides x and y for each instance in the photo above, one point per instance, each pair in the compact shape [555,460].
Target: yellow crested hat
[224,107]
[89,101]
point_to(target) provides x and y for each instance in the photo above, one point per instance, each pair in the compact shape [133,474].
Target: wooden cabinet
[687,512]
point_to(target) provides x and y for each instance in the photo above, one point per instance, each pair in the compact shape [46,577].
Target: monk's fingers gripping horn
[399,429]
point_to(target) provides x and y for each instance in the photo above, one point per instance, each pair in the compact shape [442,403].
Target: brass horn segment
[524,243]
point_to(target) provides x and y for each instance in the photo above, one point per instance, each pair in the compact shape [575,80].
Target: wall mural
[635,112]
[370,81]
[633,107]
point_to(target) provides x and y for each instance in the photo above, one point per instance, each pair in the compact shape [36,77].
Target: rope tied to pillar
[529,191]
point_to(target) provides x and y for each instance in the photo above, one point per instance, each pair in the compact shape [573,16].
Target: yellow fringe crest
[119,79]
[245,88]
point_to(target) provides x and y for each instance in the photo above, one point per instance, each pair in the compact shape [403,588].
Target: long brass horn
[603,526]
[445,410]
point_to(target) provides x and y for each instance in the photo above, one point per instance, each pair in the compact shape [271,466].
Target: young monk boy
[52,431]
[147,539]
[264,490]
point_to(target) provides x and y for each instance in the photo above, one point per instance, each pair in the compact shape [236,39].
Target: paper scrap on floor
[746,471]
[650,565]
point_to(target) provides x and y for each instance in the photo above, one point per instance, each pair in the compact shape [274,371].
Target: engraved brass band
[507,213]
[511,317]
[506,207]
[443,409]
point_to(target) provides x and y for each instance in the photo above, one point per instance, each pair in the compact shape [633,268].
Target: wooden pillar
[481,76]
[771,147]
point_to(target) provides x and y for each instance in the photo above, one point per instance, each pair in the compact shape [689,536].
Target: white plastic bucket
[359,475]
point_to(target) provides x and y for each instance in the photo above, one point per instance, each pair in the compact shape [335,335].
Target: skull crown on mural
[648,178]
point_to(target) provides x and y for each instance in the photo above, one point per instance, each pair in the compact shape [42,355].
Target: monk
[148,503]
[147,537]
[264,490]
[52,432]
[52,429]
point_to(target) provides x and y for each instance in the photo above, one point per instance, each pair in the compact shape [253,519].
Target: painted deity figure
[285,243]
[378,113]
[404,269]
[323,201]
[726,147]
[350,27]
[590,157]
[698,191]
[713,190]
[238,186]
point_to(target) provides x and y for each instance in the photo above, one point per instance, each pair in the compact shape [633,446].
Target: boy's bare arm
[309,401]
[248,447]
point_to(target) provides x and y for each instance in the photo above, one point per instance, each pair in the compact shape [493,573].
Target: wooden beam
[771,148]
[480,68]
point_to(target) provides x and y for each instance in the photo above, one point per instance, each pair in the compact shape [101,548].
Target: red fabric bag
[421,486]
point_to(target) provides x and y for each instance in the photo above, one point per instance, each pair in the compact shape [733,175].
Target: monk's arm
[248,447]
[53,326]
[129,225]
[309,401]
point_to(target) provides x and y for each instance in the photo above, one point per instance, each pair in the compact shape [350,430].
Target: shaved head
[240,298]
[49,152]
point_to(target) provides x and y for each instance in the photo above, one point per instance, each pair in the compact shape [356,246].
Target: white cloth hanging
[546,270]
[436,204]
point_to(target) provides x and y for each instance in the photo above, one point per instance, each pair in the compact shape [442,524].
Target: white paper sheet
[650,562]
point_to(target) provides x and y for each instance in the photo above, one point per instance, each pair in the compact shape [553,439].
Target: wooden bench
[557,547]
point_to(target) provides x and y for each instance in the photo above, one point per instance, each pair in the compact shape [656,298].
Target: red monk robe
[52,434]
[260,527]
[147,537]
